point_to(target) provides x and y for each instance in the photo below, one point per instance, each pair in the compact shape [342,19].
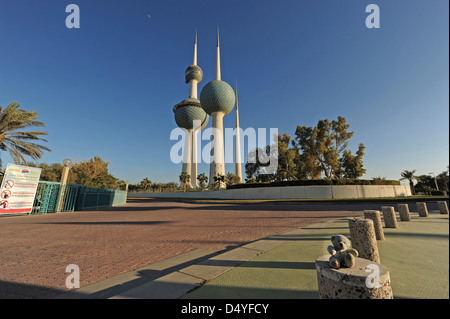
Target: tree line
[426,184]
[315,152]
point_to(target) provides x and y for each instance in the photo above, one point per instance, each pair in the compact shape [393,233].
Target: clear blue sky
[108,88]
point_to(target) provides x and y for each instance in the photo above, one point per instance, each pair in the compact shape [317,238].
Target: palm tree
[145,183]
[203,179]
[219,181]
[409,175]
[185,178]
[13,135]
[232,179]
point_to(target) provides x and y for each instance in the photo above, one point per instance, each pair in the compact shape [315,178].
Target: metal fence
[93,198]
[46,198]
[74,197]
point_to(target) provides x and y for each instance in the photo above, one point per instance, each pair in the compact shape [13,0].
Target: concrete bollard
[375,215]
[403,210]
[443,208]
[366,280]
[363,238]
[422,209]
[390,219]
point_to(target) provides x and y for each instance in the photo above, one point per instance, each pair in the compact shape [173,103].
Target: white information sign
[18,189]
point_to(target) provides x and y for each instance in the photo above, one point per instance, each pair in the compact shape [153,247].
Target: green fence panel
[70,197]
[75,197]
[46,198]
[93,198]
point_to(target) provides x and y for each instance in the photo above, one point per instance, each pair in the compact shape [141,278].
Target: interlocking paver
[35,250]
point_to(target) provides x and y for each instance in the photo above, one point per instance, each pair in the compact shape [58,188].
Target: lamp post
[64,175]
[435,181]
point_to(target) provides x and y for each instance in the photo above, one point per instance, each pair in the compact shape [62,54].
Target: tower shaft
[217,166]
[237,153]
[193,84]
[193,91]
[187,155]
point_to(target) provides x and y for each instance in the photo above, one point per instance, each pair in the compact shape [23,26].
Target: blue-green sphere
[217,96]
[188,111]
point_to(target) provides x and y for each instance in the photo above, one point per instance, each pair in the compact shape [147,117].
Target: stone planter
[367,280]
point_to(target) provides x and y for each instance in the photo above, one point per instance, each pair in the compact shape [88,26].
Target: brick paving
[35,250]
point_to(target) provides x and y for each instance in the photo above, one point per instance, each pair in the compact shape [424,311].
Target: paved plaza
[36,249]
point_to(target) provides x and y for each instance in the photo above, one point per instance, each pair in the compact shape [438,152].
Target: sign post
[18,189]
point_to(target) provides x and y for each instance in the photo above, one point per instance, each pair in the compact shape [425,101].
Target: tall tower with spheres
[190,116]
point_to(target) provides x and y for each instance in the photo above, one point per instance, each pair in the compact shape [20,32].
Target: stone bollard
[363,238]
[390,219]
[375,215]
[443,208]
[403,210]
[366,280]
[422,209]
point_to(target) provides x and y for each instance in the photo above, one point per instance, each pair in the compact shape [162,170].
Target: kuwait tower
[190,116]
[217,98]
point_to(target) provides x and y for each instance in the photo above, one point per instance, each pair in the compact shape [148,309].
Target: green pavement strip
[416,254]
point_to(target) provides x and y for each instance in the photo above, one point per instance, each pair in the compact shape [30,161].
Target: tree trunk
[411,184]
[292,175]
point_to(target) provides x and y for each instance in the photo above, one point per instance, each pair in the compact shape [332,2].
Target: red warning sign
[9,184]
[5,194]
[18,190]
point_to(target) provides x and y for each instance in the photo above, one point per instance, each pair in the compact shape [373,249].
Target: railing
[93,198]
[75,197]
[46,198]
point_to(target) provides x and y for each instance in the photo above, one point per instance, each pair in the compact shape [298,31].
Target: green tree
[254,166]
[443,180]
[49,172]
[93,173]
[203,179]
[378,180]
[219,180]
[185,178]
[157,186]
[172,186]
[232,179]
[145,184]
[409,175]
[15,136]
[324,149]
[351,166]
[289,163]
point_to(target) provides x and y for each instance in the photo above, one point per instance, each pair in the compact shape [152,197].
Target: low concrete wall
[290,192]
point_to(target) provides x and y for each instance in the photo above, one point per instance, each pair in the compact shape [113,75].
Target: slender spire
[218,75]
[237,102]
[194,62]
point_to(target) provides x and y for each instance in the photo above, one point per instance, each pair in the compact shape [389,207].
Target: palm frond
[14,136]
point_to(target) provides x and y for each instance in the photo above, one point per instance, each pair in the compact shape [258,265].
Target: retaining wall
[290,192]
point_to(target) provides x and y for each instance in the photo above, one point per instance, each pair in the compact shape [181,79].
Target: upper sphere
[217,96]
[193,72]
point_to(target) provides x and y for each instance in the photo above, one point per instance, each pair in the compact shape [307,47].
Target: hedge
[316,182]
